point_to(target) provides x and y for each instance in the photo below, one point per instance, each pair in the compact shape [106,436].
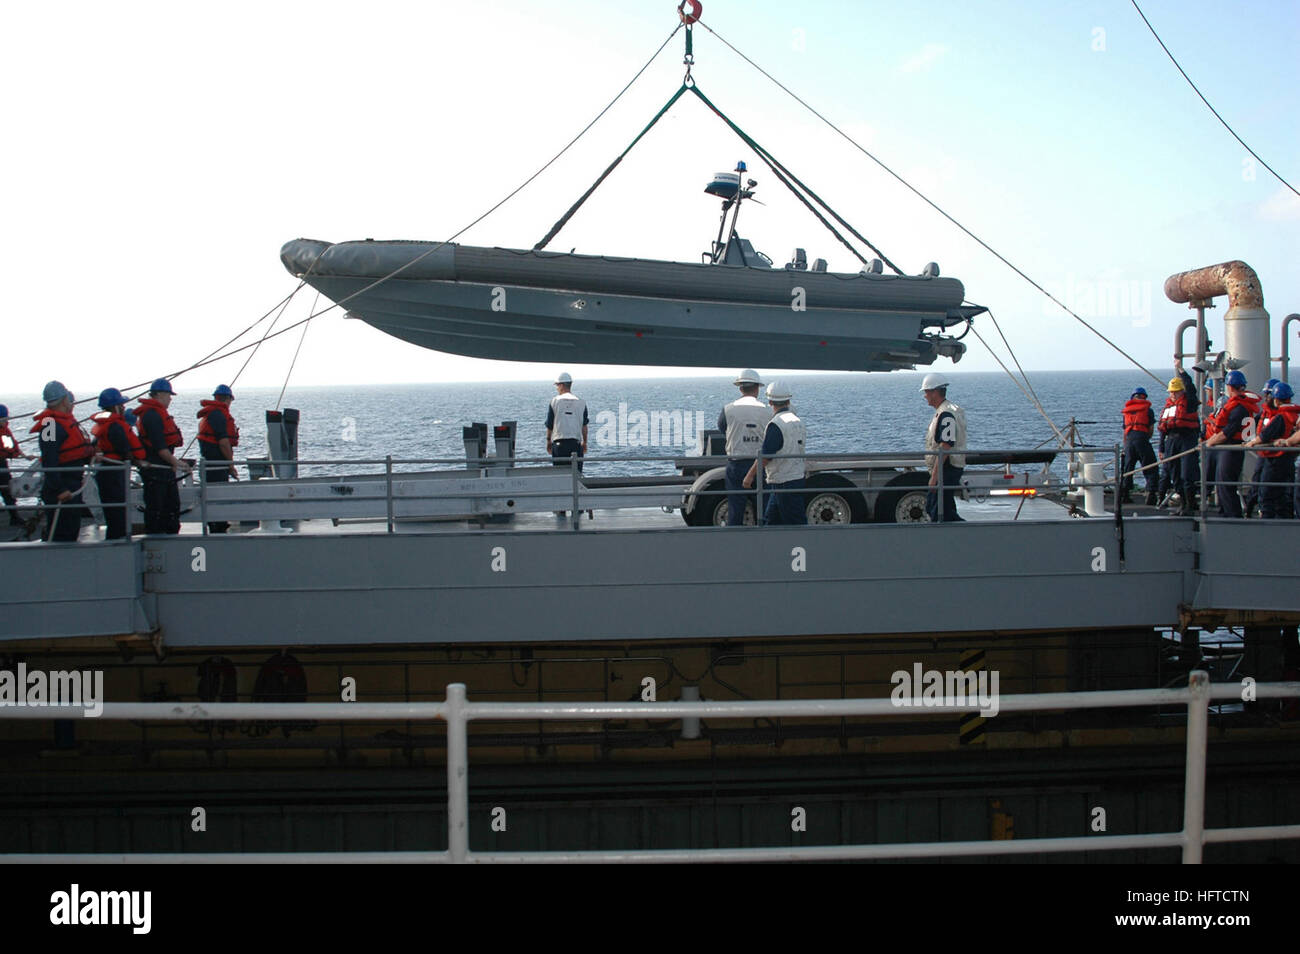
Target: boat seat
[819,265]
[798,261]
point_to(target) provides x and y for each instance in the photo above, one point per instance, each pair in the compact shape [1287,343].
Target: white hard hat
[564,378]
[933,380]
[748,376]
[778,391]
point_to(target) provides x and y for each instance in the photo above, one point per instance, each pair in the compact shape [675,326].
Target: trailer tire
[904,500]
[833,501]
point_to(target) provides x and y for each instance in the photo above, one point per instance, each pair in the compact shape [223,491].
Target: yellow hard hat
[1175,384]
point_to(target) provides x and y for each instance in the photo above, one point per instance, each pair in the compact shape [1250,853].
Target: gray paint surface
[639,584]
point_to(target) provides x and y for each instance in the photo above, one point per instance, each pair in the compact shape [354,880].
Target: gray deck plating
[522,585]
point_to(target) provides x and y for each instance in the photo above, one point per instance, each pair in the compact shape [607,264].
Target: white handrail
[458,712]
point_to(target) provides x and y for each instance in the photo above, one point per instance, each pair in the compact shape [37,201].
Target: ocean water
[844,413]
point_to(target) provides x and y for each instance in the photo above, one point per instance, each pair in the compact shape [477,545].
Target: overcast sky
[158,154]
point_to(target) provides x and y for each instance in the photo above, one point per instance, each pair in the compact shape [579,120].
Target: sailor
[1279,419]
[9,450]
[947,430]
[1253,498]
[566,426]
[1234,424]
[1139,420]
[218,436]
[160,436]
[65,450]
[784,467]
[744,421]
[1180,424]
[120,448]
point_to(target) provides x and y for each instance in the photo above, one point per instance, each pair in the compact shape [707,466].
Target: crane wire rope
[996,254]
[1197,91]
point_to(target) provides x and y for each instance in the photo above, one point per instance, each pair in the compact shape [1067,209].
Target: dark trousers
[785,508]
[1226,474]
[11,504]
[111,480]
[1137,450]
[735,481]
[1184,473]
[951,478]
[216,471]
[62,525]
[561,451]
[162,501]
[1275,503]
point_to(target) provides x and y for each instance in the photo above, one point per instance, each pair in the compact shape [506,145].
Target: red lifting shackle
[696,9]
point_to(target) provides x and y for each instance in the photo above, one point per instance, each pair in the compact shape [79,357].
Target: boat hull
[527,306]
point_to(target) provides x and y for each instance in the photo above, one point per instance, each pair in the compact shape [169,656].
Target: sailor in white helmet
[948,431]
[744,421]
[566,425]
[784,468]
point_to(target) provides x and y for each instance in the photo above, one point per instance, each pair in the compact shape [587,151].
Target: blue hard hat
[1235,379]
[1282,392]
[163,385]
[54,392]
[110,397]
[130,417]
[1270,385]
[1141,391]
[223,390]
[4,410]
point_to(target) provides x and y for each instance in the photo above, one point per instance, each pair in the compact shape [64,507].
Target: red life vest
[8,444]
[1137,415]
[205,426]
[1291,413]
[1247,400]
[75,448]
[99,431]
[171,433]
[1179,414]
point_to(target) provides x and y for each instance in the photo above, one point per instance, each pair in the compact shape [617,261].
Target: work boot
[1151,498]
[1188,507]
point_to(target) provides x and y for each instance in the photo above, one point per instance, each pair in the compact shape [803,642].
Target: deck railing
[457,711]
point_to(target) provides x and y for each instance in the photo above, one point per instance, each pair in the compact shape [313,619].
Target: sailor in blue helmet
[1278,423]
[744,422]
[218,436]
[1235,424]
[1253,497]
[65,450]
[118,448]
[783,461]
[161,437]
[9,450]
[1139,422]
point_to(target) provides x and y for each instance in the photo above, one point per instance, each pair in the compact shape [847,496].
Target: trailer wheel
[710,509]
[904,501]
[834,501]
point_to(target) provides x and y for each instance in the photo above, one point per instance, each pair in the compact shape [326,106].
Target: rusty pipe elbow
[1235,279]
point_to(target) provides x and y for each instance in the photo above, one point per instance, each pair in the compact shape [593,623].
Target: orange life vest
[1137,415]
[205,426]
[99,431]
[171,433]
[1291,414]
[1179,414]
[1249,401]
[8,444]
[75,448]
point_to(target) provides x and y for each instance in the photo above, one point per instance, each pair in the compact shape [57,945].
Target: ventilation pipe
[1245,323]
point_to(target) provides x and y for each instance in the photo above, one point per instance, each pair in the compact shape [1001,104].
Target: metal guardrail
[1089,481]
[458,712]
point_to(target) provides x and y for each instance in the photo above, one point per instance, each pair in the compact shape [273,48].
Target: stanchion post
[1198,719]
[457,776]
